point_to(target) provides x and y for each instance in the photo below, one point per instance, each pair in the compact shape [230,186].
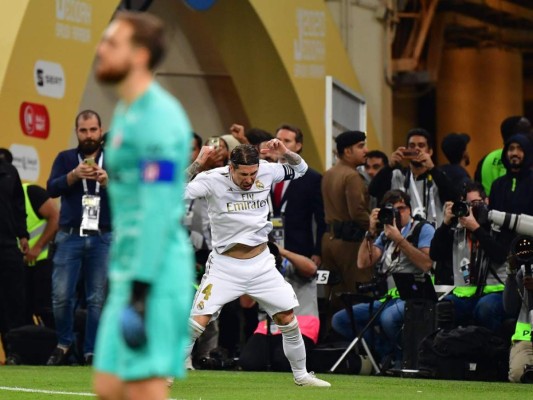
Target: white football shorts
[227,278]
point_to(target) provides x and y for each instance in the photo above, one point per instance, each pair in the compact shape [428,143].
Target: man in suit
[293,218]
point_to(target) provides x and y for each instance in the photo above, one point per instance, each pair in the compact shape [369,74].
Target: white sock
[294,348]
[196,331]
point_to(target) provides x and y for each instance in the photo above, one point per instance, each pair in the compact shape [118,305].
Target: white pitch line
[19,389]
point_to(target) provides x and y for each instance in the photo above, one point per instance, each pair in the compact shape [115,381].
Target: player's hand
[132,317]
[275,147]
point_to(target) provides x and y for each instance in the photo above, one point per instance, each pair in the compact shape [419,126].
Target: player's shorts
[167,330]
[227,278]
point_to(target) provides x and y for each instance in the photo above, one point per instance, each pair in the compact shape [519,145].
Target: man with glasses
[426,184]
[465,242]
[402,247]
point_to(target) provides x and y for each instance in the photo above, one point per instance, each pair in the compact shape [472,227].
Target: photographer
[428,186]
[262,350]
[403,246]
[465,243]
[517,298]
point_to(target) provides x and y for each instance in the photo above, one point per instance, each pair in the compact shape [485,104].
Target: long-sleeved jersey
[146,153]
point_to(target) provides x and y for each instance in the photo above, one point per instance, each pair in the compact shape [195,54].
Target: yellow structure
[276,52]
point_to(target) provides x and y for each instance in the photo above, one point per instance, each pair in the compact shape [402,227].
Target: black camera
[218,359]
[527,376]
[388,214]
[377,286]
[460,209]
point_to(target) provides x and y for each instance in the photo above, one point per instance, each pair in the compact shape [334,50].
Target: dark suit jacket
[304,202]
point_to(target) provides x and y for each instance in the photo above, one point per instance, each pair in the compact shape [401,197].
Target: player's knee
[284,318]
[107,388]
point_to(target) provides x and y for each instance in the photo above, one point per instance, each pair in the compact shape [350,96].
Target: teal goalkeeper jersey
[147,152]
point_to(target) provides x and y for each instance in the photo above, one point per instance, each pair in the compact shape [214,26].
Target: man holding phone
[78,175]
[426,184]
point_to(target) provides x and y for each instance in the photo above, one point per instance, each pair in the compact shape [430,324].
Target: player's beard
[112,75]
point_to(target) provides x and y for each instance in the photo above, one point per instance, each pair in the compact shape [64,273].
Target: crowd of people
[260,223]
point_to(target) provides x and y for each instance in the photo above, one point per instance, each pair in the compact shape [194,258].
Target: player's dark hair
[85,115]
[244,154]
[148,32]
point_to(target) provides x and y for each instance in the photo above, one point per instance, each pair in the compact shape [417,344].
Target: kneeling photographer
[402,247]
[518,299]
[465,244]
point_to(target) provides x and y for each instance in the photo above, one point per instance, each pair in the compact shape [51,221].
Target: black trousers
[12,293]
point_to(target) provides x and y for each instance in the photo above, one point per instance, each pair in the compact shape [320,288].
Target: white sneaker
[311,380]
[170,382]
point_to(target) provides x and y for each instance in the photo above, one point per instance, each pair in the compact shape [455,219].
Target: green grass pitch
[63,383]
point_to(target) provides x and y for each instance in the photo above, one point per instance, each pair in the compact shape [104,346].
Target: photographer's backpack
[464,353]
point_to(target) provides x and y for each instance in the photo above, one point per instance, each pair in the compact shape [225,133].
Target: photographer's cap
[349,138]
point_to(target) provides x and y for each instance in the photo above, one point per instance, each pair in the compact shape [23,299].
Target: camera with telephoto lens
[460,209]
[388,214]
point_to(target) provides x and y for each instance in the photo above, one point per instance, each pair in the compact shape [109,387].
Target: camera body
[377,286]
[460,209]
[410,154]
[388,214]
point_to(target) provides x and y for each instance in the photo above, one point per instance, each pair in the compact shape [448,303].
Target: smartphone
[213,141]
[410,154]
[90,161]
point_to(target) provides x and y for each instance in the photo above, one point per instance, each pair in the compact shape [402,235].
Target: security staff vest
[35,225]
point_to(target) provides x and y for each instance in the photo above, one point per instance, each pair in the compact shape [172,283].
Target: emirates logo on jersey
[259,184]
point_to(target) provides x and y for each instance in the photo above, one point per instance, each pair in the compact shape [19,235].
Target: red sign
[34,120]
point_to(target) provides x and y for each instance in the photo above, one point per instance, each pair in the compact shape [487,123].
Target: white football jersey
[236,215]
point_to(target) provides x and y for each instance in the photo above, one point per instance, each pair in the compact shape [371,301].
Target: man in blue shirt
[84,235]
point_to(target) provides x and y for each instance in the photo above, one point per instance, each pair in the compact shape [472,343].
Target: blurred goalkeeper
[143,331]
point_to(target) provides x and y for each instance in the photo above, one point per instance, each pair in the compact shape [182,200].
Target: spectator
[346,213]
[375,161]
[402,247]
[513,192]
[300,223]
[467,243]
[491,167]
[427,186]
[196,146]
[13,246]
[517,299]
[454,147]
[79,176]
